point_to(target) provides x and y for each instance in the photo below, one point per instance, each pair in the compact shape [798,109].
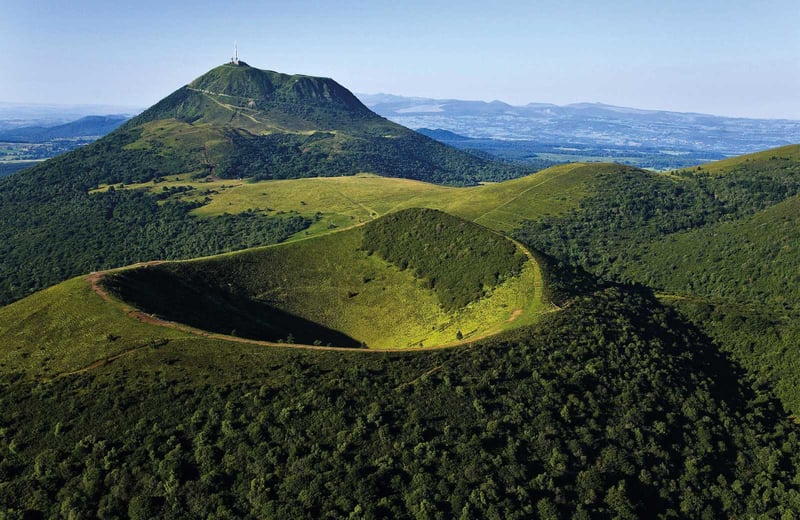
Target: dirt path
[95,277]
[236,110]
[517,196]
[110,359]
[93,280]
[514,315]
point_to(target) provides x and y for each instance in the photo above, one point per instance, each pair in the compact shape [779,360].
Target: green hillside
[237,121]
[762,249]
[171,397]
[627,210]
[743,278]
[326,290]
[370,343]
[460,261]
[775,158]
[343,201]
[332,290]
[67,327]
[232,122]
[55,230]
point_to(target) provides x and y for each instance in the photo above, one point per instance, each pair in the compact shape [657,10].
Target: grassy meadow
[328,280]
[336,202]
[67,327]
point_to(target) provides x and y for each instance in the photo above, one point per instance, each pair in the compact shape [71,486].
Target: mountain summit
[236,121]
[243,96]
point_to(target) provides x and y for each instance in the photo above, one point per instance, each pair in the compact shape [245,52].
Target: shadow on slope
[189,298]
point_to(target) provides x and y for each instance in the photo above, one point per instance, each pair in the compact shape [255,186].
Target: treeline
[612,408]
[459,260]
[324,154]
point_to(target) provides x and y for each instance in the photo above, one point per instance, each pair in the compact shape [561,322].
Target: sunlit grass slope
[66,327]
[344,201]
[783,156]
[329,280]
[332,282]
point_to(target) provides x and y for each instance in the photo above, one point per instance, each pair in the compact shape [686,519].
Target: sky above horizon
[732,58]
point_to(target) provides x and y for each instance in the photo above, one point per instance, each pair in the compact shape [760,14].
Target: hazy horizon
[735,59]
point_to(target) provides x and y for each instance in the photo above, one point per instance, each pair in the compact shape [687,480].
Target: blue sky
[736,58]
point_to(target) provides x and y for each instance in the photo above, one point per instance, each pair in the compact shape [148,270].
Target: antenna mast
[235,53]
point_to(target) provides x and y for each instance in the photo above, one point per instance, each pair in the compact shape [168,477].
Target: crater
[346,289]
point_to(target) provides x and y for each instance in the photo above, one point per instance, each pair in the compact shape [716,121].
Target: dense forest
[458,259]
[323,154]
[52,228]
[613,408]
[630,209]
[75,233]
[721,241]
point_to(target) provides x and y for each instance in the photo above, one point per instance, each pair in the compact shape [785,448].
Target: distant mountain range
[17,115]
[87,126]
[536,135]
[588,124]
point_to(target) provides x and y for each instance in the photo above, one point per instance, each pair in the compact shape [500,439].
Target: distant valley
[536,135]
[24,142]
[585,131]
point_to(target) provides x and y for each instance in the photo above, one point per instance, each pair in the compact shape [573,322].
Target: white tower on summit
[235,59]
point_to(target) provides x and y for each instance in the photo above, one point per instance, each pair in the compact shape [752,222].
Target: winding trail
[516,197]
[110,359]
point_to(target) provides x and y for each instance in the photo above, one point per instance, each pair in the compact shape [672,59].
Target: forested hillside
[720,239]
[52,230]
[612,408]
[239,121]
